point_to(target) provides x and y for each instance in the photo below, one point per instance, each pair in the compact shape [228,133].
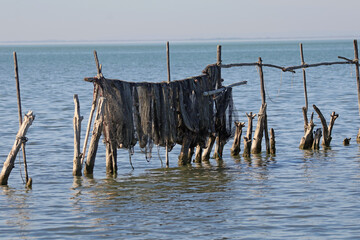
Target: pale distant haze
[162,20]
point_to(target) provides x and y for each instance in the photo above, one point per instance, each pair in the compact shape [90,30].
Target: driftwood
[272,141]
[94,142]
[77,131]
[248,138]
[20,138]
[258,135]
[207,151]
[235,149]
[326,129]
[307,140]
[317,137]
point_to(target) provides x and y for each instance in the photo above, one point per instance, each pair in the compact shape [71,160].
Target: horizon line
[57,41]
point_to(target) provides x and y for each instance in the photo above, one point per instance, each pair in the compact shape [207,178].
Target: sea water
[295,194]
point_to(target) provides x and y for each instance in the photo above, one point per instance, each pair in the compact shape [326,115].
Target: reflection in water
[18,211]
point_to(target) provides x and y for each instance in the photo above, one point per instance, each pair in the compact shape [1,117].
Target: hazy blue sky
[95,20]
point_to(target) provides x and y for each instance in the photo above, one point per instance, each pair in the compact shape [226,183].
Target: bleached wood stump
[258,135]
[207,151]
[248,137]
[235,149]
[20,138]
[198,153]
[77,132]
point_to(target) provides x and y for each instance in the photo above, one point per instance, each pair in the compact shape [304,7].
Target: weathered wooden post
[248,138]
[168,81]
[256,143]
[219,144]
[20,138]
[77,132]
[93,107]
[264,118]
[235,149]
[94,142]
[28,183]
[198,153]
[304,81]
[356,54]
[272,142]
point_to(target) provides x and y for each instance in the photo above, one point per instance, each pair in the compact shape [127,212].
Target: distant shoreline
[159,41]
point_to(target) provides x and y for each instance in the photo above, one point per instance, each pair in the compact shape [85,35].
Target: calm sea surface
[294,195]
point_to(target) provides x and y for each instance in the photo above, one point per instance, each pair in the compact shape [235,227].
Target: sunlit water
[294,195]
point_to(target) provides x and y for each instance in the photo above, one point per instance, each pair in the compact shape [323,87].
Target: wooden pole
[356,60]
[93,107]
[263,98]
[304,77]
[94,142]
[20,138]
[168,81]
[218,62]
[20,116]
[77,132]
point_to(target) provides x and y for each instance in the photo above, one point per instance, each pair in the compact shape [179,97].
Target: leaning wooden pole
[20,138]
[96,133]
[219,145]
[263,98]
[77,132]
[20,117]
[93,107]
[168,81]
[356,60]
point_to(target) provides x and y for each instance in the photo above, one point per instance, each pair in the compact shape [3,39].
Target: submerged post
[20,117]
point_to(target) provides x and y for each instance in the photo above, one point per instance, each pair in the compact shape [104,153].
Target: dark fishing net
[165,113]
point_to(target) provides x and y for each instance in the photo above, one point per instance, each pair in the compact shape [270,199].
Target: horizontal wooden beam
[223,88]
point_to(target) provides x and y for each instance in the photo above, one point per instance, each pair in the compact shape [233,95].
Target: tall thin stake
[304,76]
[93,107]
[263,98]
[20,114]
[356,54]
[169,78]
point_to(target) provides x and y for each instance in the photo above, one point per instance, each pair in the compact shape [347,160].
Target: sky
[169,20]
